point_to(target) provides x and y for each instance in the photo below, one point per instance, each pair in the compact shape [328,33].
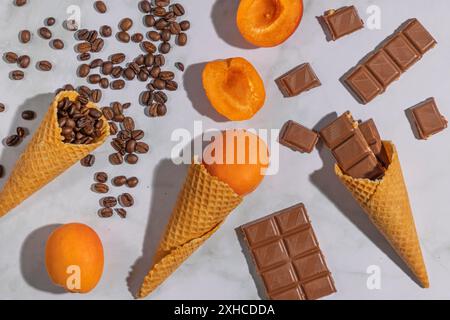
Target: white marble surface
[219,270]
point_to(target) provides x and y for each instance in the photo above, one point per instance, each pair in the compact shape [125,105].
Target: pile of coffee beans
[108,203]
[79,123]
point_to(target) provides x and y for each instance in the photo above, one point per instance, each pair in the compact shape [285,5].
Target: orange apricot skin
[74,244]
[268,23]
[234,88]
[245,177]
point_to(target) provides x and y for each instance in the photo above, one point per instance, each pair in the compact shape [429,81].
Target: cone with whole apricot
[45,158]
[210,193]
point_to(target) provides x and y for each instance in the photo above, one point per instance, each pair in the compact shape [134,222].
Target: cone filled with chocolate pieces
[371,171]
[72,128]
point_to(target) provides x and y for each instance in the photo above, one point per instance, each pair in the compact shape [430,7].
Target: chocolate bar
[287,256]
[298,80]
[342,22]
[394,57]
[298,137]
[373,138]
[352,149]
[428,119]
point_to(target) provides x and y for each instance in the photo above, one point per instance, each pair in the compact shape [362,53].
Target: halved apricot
[234,88]
[268,23]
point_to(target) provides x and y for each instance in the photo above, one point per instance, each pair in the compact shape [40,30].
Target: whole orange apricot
[268,23]
[234,88]
[239,158]
[74,257]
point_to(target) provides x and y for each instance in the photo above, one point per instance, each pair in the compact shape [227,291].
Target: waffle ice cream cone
[45,158]
[202,206]
[387,204]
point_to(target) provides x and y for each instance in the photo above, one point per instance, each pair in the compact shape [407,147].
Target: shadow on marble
[167,183]
[193,85]
[251,265]
[223,16]
[32,260]
[38,104]
[326,181]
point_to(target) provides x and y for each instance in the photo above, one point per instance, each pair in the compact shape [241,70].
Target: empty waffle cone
[387,204]
[45,158]
[202,206]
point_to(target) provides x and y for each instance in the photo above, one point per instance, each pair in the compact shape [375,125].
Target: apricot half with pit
[268,23]
[234,88]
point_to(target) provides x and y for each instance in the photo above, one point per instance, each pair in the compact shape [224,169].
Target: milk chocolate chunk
[428,119]
[287,256]
[298,80]
[368,168]
[342,22]
[389,61]
[373,138]
[338,131]
[298,137]
[352,151]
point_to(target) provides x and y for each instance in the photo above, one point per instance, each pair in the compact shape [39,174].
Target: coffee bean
[117,108]
[160,60]
[157,110]
[88,161]
[119,181]
[13,140]
[2,107]
[121,212]
[45,33]
[116,159]
[175,28]
[149,21]
[131,159]
[142,148]
[84,47]
[159,84]
[148,47]
[100,6]
[50,21]
[93,35]
[117,72]
[162,3]
[180,66]
[171,85]
[126,24]
[106,31]
[105,213]
[96,63]
[117,84]
[11,57]
[97,45]
[17,75]
[137,134]
[165,35]
[21,132]
[108,113]
[132,182]
[108,202]
[126,105]
[107,68]
[145,6]
[25,36]
[28,115]
[161,24]
[100,188]
[128,124]
[117,58]
[101,177]
[182,39]
[96,97]
[113,129]
[24,61]
[131,146]
[45,65]
[159,11]
[185,25]
[126,200]
[160,97]
[84,70]
[104,83]
[84,56]
[166,75]
[82,34]
[57,44]
[20,3]
[178,9]
[94,78]
[137,37]
[123,36]
[164,48]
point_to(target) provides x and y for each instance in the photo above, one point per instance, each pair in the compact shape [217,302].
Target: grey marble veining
[219,270]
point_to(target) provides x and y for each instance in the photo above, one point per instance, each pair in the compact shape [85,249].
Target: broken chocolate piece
[342,22]
[298,80]
[428,119]
[298,137]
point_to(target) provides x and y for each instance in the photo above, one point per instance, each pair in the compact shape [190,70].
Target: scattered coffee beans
[126,200]
[25,36]
[45,65]
[100,6]
[2,107]
[105,213]
[24,61]
[100,188]
[50,21]
[45,33]
[13,140]
[108,202]
[121,212]
[88,161]
[28,115]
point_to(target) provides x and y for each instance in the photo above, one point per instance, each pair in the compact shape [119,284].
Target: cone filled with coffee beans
[72,129]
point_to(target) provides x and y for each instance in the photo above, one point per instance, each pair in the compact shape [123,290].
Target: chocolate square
[419,36]
[298,80]
[352,151]
[364,84]
[342,22]
[402,52]
[428,119]
[298,138]
[338,131]
[368,168]
[383,68]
